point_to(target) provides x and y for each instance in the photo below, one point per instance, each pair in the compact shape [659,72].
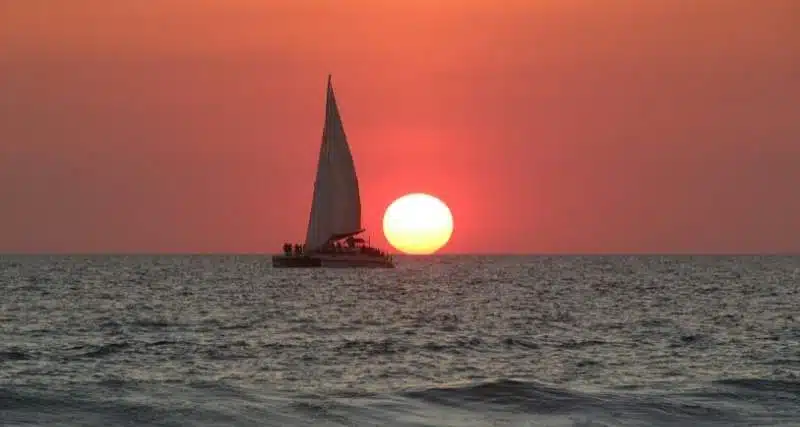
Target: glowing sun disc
[418,224]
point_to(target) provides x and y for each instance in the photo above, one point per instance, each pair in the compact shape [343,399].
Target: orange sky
[546,125]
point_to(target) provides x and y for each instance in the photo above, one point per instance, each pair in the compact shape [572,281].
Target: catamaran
[334,224]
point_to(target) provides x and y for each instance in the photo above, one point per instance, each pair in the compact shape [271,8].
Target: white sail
[336,206]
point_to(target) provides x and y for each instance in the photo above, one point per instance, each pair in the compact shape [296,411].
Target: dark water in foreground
[443,341]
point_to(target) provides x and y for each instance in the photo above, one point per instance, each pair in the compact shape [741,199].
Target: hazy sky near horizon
[546,125]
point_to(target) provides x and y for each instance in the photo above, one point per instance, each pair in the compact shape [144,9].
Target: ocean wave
[13,355]
[763,385]
[766,402]
[498,402]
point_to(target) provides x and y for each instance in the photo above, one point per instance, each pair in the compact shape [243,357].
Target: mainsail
[336,206]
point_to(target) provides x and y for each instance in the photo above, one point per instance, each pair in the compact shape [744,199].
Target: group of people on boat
[298,249]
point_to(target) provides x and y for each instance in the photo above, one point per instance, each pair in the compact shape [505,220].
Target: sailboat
[334,224]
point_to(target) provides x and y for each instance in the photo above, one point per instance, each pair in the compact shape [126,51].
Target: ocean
[439,341]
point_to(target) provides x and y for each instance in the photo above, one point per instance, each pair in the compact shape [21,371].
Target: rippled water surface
[440,341]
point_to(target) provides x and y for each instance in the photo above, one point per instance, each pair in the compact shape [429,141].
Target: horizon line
[540,254]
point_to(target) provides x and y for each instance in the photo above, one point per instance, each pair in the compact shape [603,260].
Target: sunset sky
[546,125]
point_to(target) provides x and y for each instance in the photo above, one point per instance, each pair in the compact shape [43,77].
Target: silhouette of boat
[334,224]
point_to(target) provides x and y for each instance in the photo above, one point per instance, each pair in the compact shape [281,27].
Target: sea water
[438,341]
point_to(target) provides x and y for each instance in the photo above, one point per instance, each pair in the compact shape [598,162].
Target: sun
[418,224]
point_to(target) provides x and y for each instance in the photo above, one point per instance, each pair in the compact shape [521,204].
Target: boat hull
[331,261]
[292,261]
